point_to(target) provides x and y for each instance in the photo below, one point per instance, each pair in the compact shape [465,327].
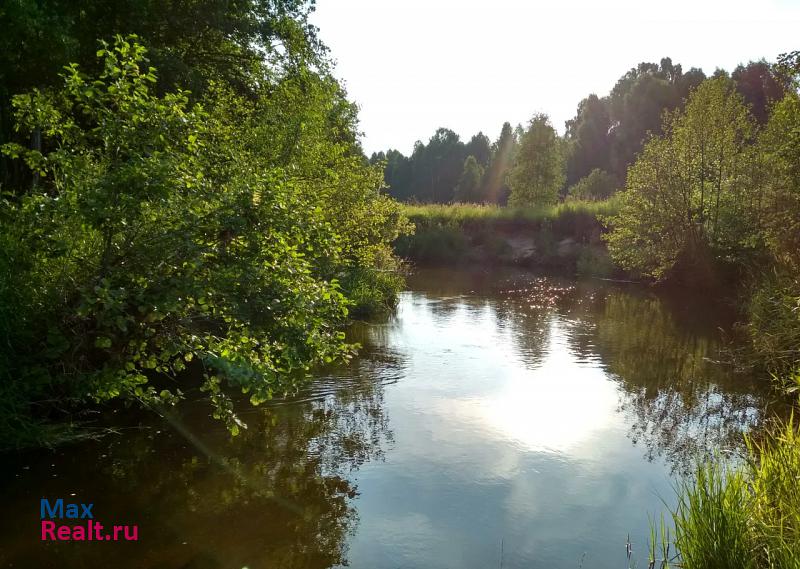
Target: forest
[593,156]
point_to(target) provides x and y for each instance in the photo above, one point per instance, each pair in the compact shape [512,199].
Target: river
[496,419]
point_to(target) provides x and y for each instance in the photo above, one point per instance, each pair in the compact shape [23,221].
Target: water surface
[496,418]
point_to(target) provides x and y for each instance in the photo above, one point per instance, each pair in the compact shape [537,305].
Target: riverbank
[566,236]
[570,238]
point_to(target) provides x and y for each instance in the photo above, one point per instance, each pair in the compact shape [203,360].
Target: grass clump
[744,517]
[712,520]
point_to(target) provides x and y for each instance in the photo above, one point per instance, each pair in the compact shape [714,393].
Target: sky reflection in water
[543,414]
[513,424]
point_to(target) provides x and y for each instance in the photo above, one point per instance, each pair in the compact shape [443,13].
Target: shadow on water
[278,495]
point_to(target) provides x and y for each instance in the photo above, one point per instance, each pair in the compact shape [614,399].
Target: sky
[413,66]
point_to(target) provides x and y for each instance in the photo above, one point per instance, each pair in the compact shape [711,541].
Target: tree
[688,82]
[774,308]
[445,153]
[479,147]
[759,86]
[780,143]
[469,185]
[637,103]
[193,44]
[642,109]
[588,136]
[433,171]
[691,194]
[538,172]
[397,175]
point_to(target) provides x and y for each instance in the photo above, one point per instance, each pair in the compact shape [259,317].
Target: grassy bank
[501,216]
[564,236]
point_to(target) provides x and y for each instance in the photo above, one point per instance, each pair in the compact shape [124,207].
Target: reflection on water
[278,495]
[685,406]
[543,414]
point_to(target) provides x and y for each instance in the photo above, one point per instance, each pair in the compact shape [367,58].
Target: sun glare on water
[556,407]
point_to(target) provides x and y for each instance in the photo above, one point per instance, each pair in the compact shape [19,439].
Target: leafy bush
[434,243]
[598,185]
[594,261]
[162,234]
[774,323]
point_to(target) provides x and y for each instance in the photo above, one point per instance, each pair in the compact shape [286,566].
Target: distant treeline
[592,158]
[708,173]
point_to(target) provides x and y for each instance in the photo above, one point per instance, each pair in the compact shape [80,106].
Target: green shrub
[374,290]
[774,323]
[434,243]
[162,232]
[594,261]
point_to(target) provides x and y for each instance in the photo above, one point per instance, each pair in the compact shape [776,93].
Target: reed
[741,517]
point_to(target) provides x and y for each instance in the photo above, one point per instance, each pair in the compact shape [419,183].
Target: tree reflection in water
[663,353]
[282,493]
[278,495]
[687,406]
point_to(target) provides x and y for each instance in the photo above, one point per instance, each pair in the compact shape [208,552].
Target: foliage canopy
[225,236]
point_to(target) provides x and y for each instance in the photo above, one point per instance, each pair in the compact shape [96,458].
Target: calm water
[511,415]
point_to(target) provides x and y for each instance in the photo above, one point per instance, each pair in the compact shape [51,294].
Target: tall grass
[744,517]
[775,482]
[774,324]
[466,213]
[473,233]
[712,520]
